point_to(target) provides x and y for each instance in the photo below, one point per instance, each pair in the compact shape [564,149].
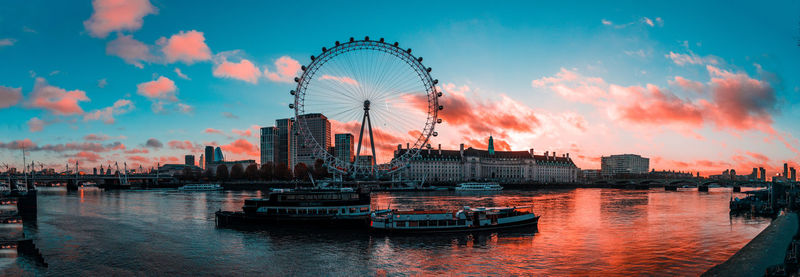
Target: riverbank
[765,250]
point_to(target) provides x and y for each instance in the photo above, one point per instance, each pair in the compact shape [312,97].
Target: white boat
[467,219]
[200,187]
[479,186]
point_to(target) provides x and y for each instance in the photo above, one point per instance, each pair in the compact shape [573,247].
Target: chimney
[399,146]
[407,145]
[547,155]
[461,150]
[567,155]
[531,151]
[554,155]
[440,149]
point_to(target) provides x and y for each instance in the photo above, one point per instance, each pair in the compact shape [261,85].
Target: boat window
[413,223]
[312,211]
[401,224]
[332,211]
[291,211]
[364,209]
[462,222]
[423,223]
[353,210]
[301,211]
[344,211]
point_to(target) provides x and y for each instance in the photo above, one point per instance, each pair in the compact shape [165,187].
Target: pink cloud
[180,74]
[183,145]
[286,69]
[244,70]
[161,88]
[691,58]
[9,96]
[117,15]
[213,131]
[131,50]
[56,100]
[243,147]
[137,151]
[35,124]
[243,133]
[187,47]
[687,84]
[106,114]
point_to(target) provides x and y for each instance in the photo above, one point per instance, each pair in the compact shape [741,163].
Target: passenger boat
[200,187]
[479,186]
[343,206]
[464,220]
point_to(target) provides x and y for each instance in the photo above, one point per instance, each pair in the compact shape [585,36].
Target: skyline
[593,81]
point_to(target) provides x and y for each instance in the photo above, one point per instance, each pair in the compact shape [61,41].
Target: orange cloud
[161,88]
[243,147]
[117,15]
[187,47]
[286,69]
[57,100]
[244,70]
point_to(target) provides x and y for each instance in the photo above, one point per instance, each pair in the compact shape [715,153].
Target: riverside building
[437,165]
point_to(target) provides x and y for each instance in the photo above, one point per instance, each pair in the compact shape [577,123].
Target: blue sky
[489,54]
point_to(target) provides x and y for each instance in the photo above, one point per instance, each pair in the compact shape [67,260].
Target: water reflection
[582,231]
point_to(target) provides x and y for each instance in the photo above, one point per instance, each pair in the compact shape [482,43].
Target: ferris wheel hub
[366,105]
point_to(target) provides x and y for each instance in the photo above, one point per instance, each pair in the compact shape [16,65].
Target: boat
[200,187]
[479,186]
[342,206]
[442,221]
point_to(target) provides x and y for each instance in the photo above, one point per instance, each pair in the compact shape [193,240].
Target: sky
[699,87]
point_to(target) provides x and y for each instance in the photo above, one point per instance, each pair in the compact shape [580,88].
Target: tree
[237,172]
[282,172]
[267,171]
[251,172]
[222,172]
[208,174]
[301,171]
[320,171]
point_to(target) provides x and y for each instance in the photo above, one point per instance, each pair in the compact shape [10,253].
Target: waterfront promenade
[765,250]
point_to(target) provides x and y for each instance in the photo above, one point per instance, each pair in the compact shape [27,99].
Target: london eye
[375,91]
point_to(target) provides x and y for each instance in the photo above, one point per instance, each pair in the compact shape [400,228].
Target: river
[581,231]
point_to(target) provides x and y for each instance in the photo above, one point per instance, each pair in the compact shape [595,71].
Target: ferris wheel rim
[415,63]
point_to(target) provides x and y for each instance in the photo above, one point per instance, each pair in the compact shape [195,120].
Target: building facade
[320,128]
[437,165]
[188,160]
[343,147]
[283,149]
[229,164]
[218,157]
[624,164]
[269,144]
[209,155]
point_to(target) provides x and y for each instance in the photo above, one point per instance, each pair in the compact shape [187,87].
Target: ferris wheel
[379,94]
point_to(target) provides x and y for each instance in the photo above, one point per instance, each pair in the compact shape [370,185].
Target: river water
[581,231]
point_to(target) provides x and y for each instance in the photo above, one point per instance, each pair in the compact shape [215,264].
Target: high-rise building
[283,154]
[320,129]
[792,174]
[202,164]
[218,157]
[786,170]
[269,144]
[343,148]
[188,159]
[624,164]
[763,176]
[209,155]
[754,174]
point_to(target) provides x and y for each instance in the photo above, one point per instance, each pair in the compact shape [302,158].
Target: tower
[491,145]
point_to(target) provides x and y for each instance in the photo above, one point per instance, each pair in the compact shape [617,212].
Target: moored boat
[479,186]
[344,206]
[442,221]
[200,187]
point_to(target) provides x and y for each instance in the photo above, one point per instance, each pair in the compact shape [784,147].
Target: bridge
[106,181]
[701,184]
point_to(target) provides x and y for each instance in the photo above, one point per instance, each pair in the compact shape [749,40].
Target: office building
[624,164]
[763,176]
[283,154]
[218,157]
[320,128]
[792,174]
[343,148]
[785,170]
[188,160]
[269,144]
[202,163]
[209,154]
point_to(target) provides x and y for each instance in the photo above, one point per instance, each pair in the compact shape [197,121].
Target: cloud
[7,42]
[243,70]
[137,151]
[687,84]
[162,88]
[85,156]
[65,147]
[102,83]
[606,22]
[35,124]
[107,114]
[184,145]
[153,143]
[180,74]
[100,137]
[184,108]
[343,80]
[56,100]
[213,131]
[117,15]
[130,50]
[241,146]
[691,58]
[648,21]
[9,96]
[229,115]
[187,47]
[18,144]
[285,70]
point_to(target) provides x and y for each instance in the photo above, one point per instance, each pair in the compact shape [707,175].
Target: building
[188,159]
[364,160]
[202,163]
[785,170]
[218,157]
[177,169]
[792,174]
[590,174]
[283,152]
[229,164]
[343,147]
[269,144]
[669,174]
[437,165]
[763,176]
[209,155]
[320,128]
[624,164]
